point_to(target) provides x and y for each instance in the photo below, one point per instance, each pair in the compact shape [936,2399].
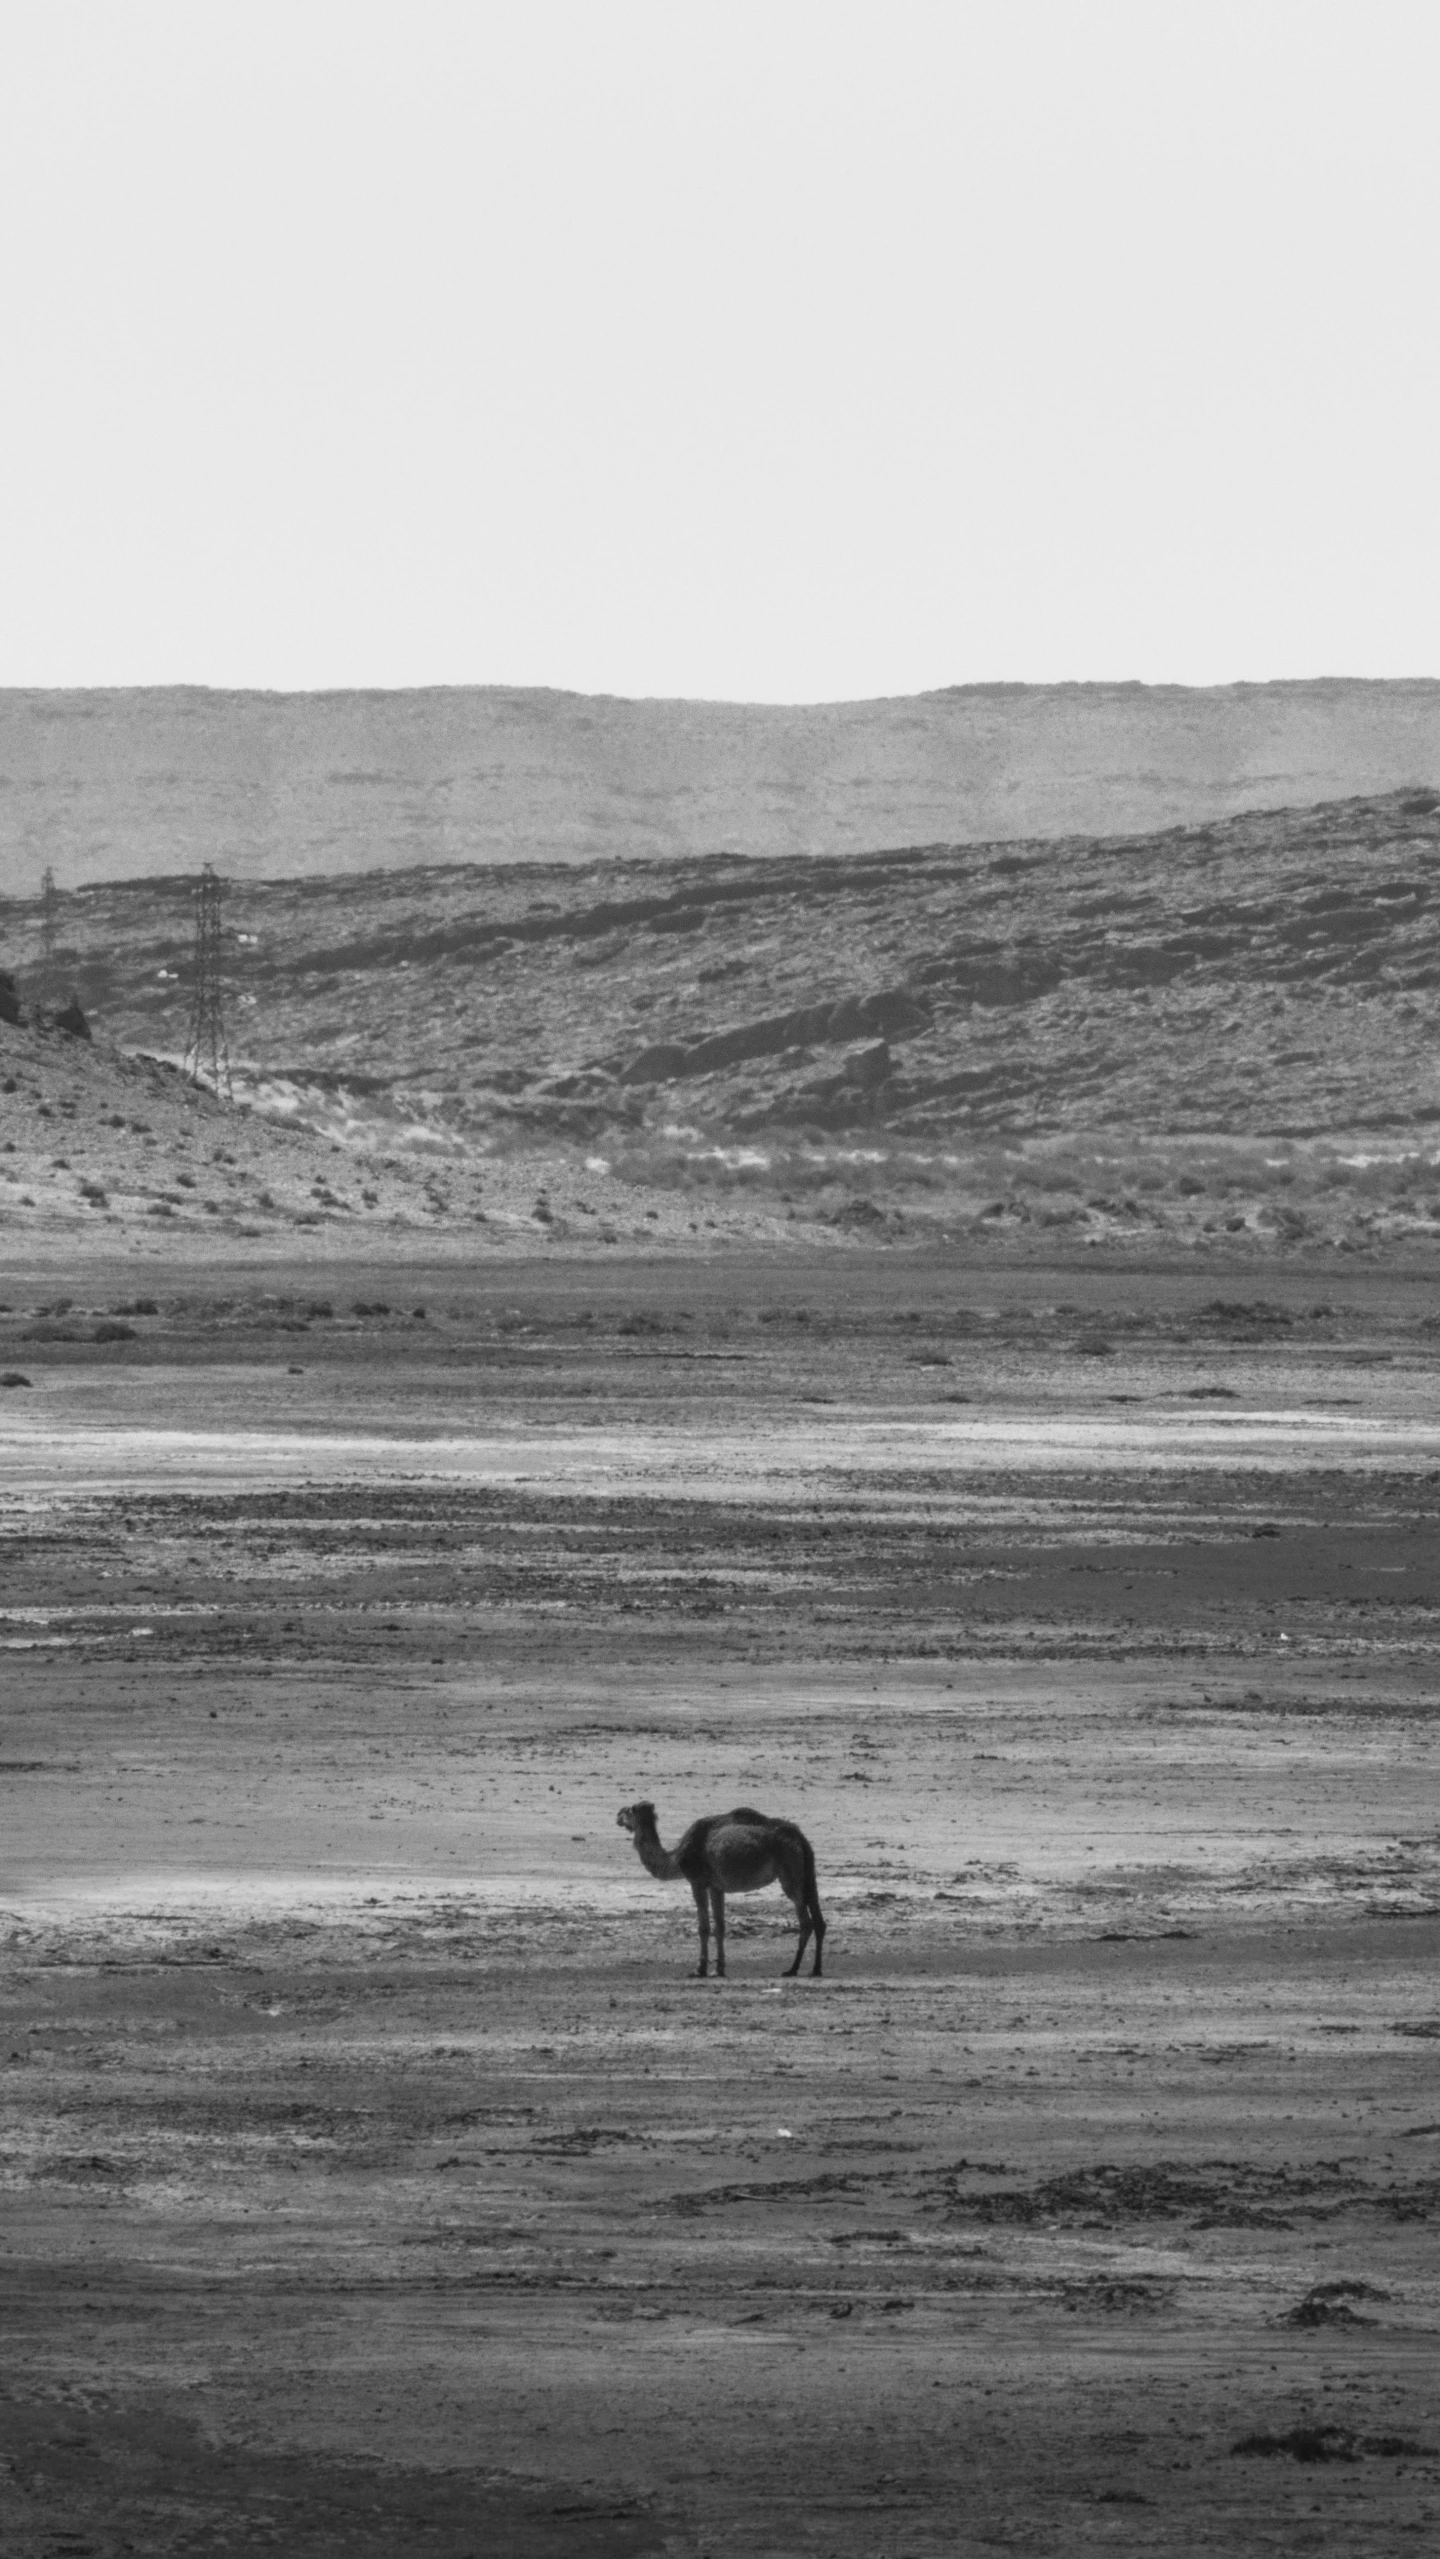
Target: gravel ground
[379,2178]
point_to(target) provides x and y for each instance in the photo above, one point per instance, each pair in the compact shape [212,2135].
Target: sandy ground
[379,2179]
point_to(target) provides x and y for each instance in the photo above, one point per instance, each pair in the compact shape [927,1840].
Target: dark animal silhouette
[736,1852]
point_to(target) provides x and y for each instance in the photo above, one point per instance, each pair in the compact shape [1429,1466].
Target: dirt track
[379,2181]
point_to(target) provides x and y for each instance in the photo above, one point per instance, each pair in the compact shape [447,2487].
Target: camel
[738,1852]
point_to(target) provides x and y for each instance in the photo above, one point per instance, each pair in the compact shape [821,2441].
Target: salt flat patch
[185,1916]
[372,1898]
[766,1460]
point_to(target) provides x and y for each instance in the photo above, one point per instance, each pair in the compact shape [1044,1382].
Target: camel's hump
[747,1817]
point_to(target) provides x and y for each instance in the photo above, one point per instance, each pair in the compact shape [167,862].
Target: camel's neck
[655,1859]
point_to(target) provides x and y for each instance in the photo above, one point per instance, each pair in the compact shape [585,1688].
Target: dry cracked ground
[380,2180]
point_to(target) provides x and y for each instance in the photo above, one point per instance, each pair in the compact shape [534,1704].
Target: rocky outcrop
[893,1011]
[980,972]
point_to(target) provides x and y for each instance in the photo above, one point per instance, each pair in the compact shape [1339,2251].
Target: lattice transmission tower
[49,928]
[207,1051]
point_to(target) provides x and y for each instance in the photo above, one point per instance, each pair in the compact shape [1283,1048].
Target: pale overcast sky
[780,350]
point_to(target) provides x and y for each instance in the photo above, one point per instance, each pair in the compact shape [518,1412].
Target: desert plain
[942,1345]
[380,2179]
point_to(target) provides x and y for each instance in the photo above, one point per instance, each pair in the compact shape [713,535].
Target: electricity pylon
[207,1052]
[49,927]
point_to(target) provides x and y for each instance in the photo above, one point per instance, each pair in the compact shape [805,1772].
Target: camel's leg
[801,1909]
[818,1916]
[717,1904]
[702,1913]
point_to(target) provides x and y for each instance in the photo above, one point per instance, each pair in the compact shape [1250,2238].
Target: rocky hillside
[110,1153]
[119,785]
[1229,1033]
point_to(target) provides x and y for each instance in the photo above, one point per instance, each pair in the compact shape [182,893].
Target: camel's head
[636,1818]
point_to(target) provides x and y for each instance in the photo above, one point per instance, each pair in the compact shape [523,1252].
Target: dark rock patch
[892,1013]
[1302,2443]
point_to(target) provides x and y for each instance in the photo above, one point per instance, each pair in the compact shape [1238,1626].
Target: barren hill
[118,785]
[1229,1034]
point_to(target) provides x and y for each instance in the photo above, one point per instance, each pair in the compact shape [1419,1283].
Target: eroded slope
[1229,1031]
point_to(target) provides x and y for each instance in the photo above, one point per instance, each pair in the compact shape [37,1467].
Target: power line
[207,1052]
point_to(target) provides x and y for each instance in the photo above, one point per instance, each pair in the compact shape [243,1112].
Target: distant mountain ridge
[117,785]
